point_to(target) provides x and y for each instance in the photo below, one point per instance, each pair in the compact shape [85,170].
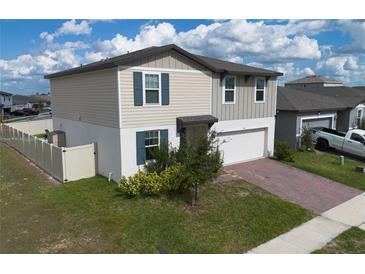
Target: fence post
[64,166]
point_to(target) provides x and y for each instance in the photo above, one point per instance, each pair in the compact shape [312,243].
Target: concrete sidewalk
[317,232]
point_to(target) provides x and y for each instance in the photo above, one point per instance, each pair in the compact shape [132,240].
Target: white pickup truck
[352,142]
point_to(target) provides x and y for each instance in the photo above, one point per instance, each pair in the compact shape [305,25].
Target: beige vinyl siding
[87,97]
[168,60]
[189,95]
[245,106]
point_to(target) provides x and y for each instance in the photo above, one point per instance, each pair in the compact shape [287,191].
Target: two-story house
[6,101]
[131,103]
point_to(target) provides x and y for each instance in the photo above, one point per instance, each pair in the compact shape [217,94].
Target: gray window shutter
[137,85]
[164,135]
[140,148]
[165,84]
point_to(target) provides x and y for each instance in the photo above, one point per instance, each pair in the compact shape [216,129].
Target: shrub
[188,167]
[283,152]
[173,178]
[306,139]
[152,183]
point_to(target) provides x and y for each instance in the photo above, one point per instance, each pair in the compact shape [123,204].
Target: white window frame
[144,88]
[158,145]
[224,90]
[263,101]
[332,116]
[359,110]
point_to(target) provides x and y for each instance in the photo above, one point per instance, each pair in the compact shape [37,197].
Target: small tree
[201,160]
[163,158]
[306,139]
[39,106]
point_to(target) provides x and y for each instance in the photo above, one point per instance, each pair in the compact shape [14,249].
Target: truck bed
[334,132]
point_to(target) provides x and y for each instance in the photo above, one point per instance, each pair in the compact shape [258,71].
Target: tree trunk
[195,195]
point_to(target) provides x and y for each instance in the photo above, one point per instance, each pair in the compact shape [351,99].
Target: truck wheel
[322,145]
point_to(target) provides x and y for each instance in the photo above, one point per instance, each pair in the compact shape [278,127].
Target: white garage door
[318,122]
[239,146]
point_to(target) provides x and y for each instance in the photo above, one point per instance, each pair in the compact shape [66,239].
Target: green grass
[327,165]
[352,241]
[89,216]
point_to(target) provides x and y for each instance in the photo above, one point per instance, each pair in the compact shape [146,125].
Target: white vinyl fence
[33,127]
[63,163]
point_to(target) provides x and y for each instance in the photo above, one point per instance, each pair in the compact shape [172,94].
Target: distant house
[314,81]
[316,101]
[28,101]
[6,101]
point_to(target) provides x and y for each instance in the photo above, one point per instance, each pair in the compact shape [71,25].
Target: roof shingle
[211,64]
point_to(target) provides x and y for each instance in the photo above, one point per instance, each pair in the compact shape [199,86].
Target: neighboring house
[6,101]
[311,106]
[131,103]
[28,101]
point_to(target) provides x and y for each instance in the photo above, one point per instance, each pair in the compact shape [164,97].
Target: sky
[29,49]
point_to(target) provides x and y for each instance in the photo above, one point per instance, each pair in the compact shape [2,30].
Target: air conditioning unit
[57,137]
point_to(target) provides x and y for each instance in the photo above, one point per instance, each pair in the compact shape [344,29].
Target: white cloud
[290,71]
[346,68]
[231,40]
[68,28]
[163,33]
[356,28]
[273,45]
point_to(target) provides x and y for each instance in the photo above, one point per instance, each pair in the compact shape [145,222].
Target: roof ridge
[207,62]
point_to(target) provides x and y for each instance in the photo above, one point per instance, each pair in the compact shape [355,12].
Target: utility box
[57,137]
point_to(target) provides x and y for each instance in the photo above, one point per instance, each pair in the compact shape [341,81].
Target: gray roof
[318,99]
[5,93]
[23,99]
[211,64]
[314,79]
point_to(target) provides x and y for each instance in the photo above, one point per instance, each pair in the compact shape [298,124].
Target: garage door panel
[239,146]
[321,122]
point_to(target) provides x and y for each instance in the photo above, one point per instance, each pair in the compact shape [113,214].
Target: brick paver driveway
[311,191]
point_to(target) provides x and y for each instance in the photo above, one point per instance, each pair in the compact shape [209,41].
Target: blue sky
[32,48]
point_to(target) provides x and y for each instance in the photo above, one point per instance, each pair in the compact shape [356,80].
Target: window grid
[152,141]
[152,89]
[229,90]
[260,90]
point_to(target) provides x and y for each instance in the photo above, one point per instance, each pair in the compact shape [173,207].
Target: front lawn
[328,166]
[352,241]
[89,216]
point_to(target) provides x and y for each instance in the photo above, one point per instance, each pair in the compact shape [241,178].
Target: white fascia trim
[260,102]
[224,89]
[315,117]
[139,68]
[120,118]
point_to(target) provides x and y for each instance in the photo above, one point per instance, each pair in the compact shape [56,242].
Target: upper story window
[260,90]
[229,90]
[152,88]
[151,142]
